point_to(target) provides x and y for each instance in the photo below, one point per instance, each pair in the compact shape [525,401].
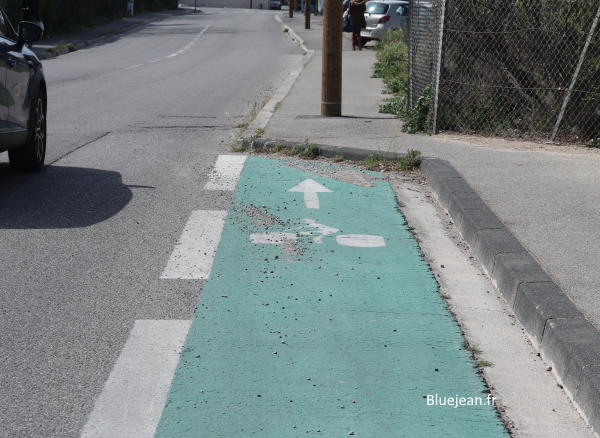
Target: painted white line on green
[226,172]
[193,255]
[311,190]
[360,240]
[273,238]
[134,395]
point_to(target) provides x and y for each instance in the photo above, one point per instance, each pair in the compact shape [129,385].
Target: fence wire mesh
[515,68]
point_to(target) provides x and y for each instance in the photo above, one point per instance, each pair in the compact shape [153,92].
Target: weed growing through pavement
[338,158]
[411,160]
[62,48]
[277,106]
[408,161]
[483,364]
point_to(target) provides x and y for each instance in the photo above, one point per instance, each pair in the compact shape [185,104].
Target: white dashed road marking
[135,393]
[226,172]
[193,256]
[174,54]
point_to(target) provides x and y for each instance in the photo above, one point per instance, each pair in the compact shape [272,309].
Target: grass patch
[392,66]
[594,143]
[483,364]
[473,350]
[374,162]
[254,144]
[338,158]
[259,132]
[409,161]
[309,151]
[63,48]
[277,106]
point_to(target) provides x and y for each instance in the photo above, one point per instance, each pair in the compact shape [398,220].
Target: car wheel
[30,157]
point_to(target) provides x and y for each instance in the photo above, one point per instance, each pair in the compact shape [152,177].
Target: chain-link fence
[515,68]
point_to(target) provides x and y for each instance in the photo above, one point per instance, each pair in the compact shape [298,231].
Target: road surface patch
[133,397]
[310,335]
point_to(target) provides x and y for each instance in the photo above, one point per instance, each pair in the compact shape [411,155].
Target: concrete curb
[266,113]
[561,333]
[558,329]
[294,35]
[53,52]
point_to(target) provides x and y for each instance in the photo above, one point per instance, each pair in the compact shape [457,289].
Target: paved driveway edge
[561,333]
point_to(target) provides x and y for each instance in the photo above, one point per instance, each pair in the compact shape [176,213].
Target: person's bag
[347,25]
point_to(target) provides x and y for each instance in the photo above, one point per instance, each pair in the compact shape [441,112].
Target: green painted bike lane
[300,331]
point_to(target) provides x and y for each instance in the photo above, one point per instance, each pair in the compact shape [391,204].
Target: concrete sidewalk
[56,46]
[547,196]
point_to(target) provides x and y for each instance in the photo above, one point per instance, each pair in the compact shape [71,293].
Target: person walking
[356,10]
[130,8]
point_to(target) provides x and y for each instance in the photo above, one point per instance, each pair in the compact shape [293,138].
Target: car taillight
[384,19]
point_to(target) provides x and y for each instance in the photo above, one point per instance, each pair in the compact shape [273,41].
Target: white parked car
[382,16]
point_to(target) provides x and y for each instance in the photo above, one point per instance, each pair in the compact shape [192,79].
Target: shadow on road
[60,197]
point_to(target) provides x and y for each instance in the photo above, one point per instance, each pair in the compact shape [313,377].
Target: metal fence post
[588,41]
[411,16]
[438,71]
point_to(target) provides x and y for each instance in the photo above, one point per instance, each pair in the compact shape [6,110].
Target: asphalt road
[134,127]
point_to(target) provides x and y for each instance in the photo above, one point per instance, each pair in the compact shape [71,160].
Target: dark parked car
[23,99]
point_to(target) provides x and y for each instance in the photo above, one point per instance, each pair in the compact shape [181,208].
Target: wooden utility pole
[291,6]
[307,14]
[331,85]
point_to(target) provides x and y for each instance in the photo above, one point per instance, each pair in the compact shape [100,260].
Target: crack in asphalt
[66,154]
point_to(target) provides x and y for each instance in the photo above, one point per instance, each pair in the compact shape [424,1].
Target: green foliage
[62,16]
[309,151]
[415,119]
[373,161]
[395,105]
[506,66]
[408,161]
[392,67]
[411,160]
[594,143]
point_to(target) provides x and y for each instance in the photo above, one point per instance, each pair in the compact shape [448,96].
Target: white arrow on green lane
[310,188]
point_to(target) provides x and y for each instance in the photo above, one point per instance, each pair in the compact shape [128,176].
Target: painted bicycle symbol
[319,231]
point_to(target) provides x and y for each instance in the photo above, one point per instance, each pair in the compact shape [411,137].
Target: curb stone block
[511,270]
[536,303]
[572,344]
[489,243]
[470,222]
[587,394]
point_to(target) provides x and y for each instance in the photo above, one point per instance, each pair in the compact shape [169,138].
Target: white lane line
[174,54]
[135,393]
[226,172]
[193,255]
[190,44]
